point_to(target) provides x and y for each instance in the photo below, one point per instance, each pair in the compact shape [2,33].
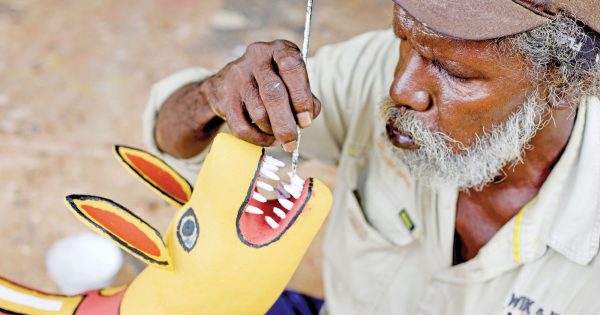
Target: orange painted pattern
[391,164]
[159,177]
[127,231]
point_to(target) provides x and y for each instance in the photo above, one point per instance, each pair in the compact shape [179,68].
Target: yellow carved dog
[230,249]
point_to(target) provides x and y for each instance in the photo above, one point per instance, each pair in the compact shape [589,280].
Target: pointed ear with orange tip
[156,174]
[131,233]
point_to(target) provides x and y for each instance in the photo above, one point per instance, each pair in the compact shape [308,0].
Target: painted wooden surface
[74,80]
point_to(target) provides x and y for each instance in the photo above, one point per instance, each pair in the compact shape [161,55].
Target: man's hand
[264,93]
[262,96]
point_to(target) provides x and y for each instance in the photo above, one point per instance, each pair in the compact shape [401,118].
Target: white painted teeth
[258,197]
[279,212]
[253,210]
[295,186]
[268,174]
[264,186]
[295,191]
[295,179]
[271,222]
[270,168]
[286,203]
[292,191]
[273,161]
[282,192]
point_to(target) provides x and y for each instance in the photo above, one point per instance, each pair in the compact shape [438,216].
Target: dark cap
[487,19]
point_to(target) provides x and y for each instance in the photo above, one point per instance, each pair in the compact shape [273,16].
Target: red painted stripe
[125,230]
[96,304]
[161,178]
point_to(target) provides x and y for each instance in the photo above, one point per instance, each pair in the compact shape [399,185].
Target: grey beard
[435,164]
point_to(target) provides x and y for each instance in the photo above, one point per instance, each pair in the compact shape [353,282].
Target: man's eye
[451,74]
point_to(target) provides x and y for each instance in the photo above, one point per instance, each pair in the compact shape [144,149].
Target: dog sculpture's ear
[156,174]
[131,233]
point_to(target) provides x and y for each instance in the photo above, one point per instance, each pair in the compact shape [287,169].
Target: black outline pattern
[51,295]
[142,177]
[11,312]
[179,237]
[245,202]
[71,198]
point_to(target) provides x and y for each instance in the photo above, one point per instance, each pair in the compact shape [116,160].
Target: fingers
[292,70]
[255,108]
[274,95]
[271,94]
[317,106]
[242,128]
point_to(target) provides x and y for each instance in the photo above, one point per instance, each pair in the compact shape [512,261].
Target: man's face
[460,91]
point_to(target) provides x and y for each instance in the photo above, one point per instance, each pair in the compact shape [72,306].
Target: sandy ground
[74,77]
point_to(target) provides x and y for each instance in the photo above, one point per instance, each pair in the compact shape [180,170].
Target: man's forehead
[433,45]
[472,19]
[403,21]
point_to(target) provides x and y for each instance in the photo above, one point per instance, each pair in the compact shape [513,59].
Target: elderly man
[474,188]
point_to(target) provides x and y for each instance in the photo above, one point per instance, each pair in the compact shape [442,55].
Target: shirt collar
[564,216]
[566,213]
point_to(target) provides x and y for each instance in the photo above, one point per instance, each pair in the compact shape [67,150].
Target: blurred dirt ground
[74,77]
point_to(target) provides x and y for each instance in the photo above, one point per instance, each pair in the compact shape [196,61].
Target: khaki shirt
[389,243]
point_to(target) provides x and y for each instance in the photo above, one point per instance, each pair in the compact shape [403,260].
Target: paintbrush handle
[307,23]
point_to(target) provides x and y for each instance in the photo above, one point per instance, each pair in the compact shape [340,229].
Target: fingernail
[289,147]
[304,119]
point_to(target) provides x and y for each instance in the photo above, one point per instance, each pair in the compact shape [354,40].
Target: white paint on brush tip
[279,212]
[295,180]
[253,210]
[271,222]
[286,203]
[264,186]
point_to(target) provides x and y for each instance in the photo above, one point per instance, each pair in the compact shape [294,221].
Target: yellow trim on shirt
[516,248]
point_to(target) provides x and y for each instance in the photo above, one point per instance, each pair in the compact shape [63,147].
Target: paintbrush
[307,24]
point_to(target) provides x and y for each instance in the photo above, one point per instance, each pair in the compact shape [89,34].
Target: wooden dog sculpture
[228,250]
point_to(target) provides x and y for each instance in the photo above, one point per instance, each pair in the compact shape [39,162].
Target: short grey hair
[555,56]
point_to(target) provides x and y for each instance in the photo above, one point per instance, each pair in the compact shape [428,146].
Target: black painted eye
[188,230]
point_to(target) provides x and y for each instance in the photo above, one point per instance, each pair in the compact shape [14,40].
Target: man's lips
[400,139]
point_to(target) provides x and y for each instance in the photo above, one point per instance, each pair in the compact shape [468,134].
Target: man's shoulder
[384,36]
[375,40]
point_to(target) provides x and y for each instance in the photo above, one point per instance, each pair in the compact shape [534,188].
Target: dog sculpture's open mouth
[271,205]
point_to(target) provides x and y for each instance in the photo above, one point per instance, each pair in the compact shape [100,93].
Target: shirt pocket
[389,196]
[361,262]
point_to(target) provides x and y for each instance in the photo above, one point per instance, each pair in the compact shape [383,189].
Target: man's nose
[410,86]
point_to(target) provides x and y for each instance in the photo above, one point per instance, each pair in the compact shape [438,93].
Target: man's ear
[131,233]
[563,96]
[155,173]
